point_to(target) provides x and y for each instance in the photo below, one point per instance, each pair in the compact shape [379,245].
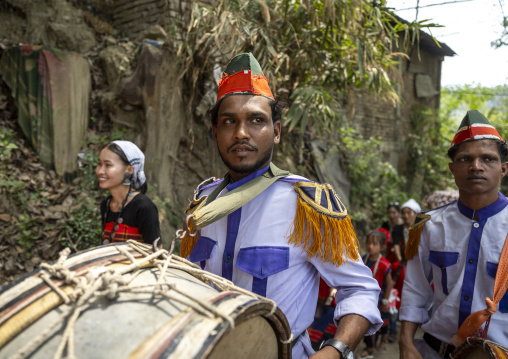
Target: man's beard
[248,168]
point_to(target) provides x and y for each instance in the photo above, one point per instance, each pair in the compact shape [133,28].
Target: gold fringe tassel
[413,242]
[332,237]
[415,233]
[188,242]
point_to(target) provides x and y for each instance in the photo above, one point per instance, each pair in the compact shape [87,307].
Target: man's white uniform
[460,256]
[250,247]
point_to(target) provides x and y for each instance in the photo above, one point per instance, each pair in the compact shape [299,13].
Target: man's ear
[276,132]
[504,169]
[450,167]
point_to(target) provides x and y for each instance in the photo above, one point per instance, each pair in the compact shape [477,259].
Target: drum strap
[212,208]
[443,349]
[475,320]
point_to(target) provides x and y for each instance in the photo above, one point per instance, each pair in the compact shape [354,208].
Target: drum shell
[479,348]
[141,325]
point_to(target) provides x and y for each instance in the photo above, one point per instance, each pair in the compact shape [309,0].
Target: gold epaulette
[415,232]
[188,242]
[322,225]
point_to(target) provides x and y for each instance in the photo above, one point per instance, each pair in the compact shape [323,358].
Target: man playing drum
[457,247]
[272,232]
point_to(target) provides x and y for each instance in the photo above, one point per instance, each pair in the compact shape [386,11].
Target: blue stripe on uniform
[229,250]
[473,251]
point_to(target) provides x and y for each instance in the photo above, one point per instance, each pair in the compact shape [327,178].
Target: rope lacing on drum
[287,341]
[486,341]
[92,284]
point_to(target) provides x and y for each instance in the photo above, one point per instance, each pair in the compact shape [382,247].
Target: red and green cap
[475,126]
[243,76]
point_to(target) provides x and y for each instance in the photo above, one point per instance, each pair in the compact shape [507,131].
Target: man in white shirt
[457,247]
[272,232]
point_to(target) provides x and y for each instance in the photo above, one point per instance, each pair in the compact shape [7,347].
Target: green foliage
[427,147]
[82,229]
[388,189]
[503,39]
[315,49]
[101,141]
[374,183]
[312,107]
[87,163]
[6,145]
[28,233]
[15,191]
[492,102]
[457,100]
[168,211]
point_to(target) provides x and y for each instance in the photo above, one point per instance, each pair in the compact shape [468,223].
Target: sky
[470,27]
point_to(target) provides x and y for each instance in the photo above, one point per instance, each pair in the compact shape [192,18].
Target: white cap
[412,204]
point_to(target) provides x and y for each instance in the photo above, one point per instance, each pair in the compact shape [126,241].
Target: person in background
[394,220]
[398,274]
[400,232]
[126,213]
[393,215]
[381,271]
[395,255]
[462,248]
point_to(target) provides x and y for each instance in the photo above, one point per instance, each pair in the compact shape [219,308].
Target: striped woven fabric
[123,233]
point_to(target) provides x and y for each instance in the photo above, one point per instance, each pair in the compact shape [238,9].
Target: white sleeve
[357,291]
[417,293]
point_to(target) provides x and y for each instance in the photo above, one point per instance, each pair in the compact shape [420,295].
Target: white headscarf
[412,204]
[137,159]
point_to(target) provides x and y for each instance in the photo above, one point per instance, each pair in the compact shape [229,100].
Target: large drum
[478,348]
[124,301]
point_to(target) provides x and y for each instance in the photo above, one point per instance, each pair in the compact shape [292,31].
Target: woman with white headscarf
[127,213]
[408,210]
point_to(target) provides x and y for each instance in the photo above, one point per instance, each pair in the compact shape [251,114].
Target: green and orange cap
[475,126]
[243,76]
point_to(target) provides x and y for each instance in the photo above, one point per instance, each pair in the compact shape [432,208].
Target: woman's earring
[127,178]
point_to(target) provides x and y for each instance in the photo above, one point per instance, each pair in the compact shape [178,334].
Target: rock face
[156,87]
[55,23]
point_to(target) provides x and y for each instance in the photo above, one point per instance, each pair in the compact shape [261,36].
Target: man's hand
[408,351]
[407,348]
[350,330]
[326,353]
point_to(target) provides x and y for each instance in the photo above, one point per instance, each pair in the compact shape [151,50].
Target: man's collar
[250,177]
[484,212]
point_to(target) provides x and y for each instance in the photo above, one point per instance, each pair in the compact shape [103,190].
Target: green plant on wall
[374,183]
[427,164]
